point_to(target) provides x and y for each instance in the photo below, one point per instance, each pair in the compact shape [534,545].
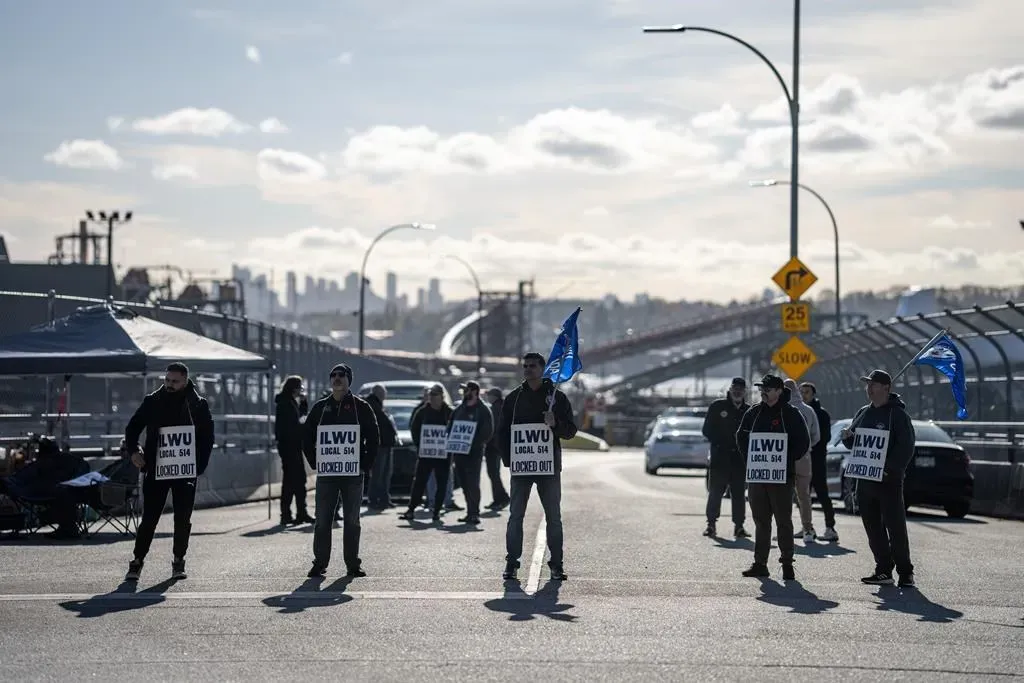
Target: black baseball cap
[770,382]
[738,382]
[880,376]
[469,385]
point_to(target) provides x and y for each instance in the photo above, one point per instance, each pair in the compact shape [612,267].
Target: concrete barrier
[998,489]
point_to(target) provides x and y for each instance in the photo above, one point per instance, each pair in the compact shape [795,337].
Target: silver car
[676,441]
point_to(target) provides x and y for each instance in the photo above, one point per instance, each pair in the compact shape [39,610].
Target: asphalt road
[648,598]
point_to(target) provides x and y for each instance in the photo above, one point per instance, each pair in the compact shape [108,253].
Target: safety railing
[990,339]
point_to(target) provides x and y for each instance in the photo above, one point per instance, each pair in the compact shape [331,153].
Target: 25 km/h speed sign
[796,317]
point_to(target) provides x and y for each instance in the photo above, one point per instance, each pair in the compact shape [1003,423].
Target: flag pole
[917,355]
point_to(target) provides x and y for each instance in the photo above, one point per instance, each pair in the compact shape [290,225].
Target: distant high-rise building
[352,282]
[434,300]
[291,290]
[421,298]
[392,288]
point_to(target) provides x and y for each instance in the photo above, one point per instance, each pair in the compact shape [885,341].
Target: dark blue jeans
[549,489]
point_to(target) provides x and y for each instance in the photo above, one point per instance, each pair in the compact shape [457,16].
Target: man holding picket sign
[340,442]
[774,436]
[535,417]
[179,440]
[429,428]
[469,430]
[881,440]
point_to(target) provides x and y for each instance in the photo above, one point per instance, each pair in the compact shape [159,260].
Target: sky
[551,140]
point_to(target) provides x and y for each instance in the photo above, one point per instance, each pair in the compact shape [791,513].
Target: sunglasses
[338,374]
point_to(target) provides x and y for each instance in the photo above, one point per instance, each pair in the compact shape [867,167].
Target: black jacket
[427,415]
[818,450]
[350,410]
[492,446]
[481,415]
[902,439]
[287,423]
[523,405]
[720,426]
[385,423]
[782,417]
[164,408]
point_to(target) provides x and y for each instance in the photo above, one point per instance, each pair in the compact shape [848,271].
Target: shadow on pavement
[309,594]
[792,594]
[123,598]
[913,601]
[274,530]
[733,543]
[918,515]
[521,607]
[822,549]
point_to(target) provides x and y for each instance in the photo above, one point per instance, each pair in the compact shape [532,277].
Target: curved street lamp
[479,310]
[362,272]
[771,182]
[792,99]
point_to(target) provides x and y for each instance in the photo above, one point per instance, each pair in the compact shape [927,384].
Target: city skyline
[601,160]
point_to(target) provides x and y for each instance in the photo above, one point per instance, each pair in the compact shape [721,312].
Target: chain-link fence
[990,339]
[292,353]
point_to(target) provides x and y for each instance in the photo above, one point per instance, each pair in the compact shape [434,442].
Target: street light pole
[792,99]
[362,272]
[771,182]
[479,312]
[110,219]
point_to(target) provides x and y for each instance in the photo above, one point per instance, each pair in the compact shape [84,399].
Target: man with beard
[727,469]
[469,429]
[340,442]
[179,440]
[774,436]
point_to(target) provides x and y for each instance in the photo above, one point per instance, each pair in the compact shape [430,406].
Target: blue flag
[945,357]
[564,361]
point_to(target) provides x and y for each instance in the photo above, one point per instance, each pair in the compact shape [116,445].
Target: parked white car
[676,441]
[403,389]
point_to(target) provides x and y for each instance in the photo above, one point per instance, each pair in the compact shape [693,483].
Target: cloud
[252,53]
[86,154]
[273,125]
[281,165]
[947,222]
[211,122]
[345,58]
[114,122]
[174,172]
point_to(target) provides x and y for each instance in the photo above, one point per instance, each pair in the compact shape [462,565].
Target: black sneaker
[436,517]
[178,568]
[134,570]
[757,569]
[471,520]
[511,571]
[907,580]
[879,579]
[740,532]
[453,507]
[316,571]
[355,572]
[558,573]
[710,531]
[787,572]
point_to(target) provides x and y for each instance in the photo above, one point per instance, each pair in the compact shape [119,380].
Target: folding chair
[116,504]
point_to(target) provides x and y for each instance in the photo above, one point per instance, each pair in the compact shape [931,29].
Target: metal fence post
[910,343]
[1002,354]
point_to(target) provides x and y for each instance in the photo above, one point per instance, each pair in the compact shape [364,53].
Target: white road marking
[537,561]
[310,596]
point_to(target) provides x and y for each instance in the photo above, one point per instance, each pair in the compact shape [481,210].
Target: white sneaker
[809,536]
[830,535]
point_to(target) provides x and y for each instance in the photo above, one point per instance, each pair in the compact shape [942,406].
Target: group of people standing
[344,439]
[789,425]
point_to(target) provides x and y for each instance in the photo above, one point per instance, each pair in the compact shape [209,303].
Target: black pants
[885,522]
[154,498]
[441,467]
[467,467]
[767,502]
[293,482]
[498,492]
[719,479]
[819,484]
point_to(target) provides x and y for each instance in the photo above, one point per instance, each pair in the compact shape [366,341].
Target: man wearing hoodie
[728,467]
[535,417]
[380,477]
[772,433]
[292,408]
[802,473]
[469,430]
[179,440]
[340,442]
[881,502]
[819,451]
[429,427]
